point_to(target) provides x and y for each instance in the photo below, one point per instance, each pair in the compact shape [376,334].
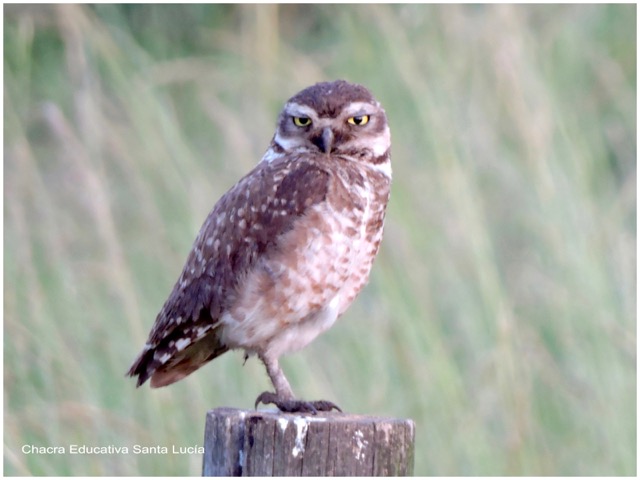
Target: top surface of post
[320,416]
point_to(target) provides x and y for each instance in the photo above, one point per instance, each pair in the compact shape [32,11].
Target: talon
[296,406]
[266,398]
[326,406]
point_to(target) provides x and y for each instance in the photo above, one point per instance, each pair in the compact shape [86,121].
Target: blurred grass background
[501,311]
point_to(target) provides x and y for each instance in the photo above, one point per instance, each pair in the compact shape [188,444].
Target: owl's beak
[325,140]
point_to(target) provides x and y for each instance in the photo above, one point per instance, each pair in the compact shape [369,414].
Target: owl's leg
[279,381]
[284,398]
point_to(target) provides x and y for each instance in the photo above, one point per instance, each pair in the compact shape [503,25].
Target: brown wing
[244,224]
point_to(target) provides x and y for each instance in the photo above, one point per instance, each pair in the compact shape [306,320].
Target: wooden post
[242,443]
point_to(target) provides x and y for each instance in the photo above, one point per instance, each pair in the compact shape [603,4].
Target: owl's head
[335,118]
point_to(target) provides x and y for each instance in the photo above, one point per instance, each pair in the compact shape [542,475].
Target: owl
[286,250]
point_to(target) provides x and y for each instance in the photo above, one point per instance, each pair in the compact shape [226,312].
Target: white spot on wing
[163,358]
[182,343]
[201,330]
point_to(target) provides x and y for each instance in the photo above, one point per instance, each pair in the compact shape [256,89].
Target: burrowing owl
[286,250]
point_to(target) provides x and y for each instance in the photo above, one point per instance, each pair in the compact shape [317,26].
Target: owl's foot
[296,406]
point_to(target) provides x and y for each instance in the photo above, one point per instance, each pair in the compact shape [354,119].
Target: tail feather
[166,363]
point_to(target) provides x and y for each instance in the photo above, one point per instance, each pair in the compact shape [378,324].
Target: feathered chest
[357,201]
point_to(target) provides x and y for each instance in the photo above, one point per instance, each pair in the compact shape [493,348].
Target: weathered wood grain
[267,443]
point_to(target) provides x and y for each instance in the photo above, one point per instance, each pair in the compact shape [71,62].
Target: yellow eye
[301,121]
[359,120]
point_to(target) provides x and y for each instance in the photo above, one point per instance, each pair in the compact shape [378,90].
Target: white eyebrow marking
[359,108]
[298,110]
